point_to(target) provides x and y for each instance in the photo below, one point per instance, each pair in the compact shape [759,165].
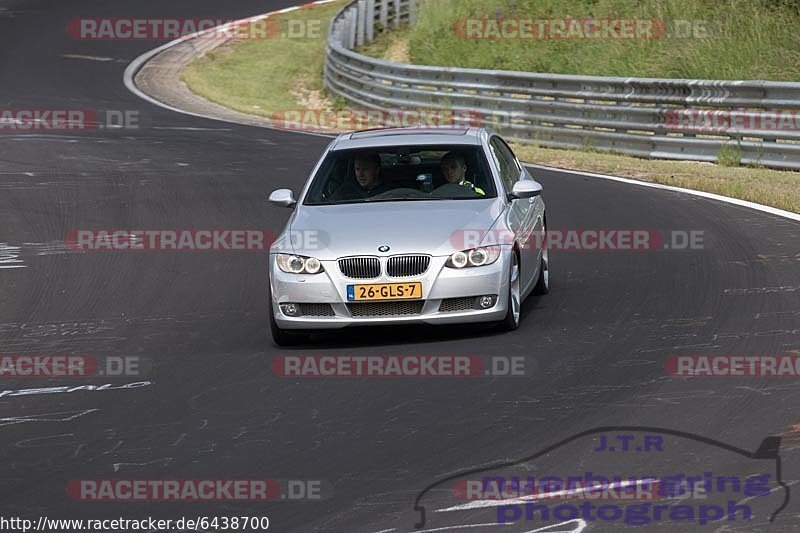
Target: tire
[511,321]
[282,337]
[543,283]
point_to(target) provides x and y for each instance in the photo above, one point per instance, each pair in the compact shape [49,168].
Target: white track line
[702,194]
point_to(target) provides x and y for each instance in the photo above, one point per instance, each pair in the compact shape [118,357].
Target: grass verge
[719,40]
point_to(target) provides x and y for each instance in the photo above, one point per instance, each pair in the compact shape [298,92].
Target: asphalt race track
[211,408]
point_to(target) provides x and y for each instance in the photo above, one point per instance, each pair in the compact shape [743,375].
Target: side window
[509,170]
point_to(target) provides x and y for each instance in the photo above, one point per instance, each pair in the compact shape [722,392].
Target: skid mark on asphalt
[10,257]
[87,58]
[75,328]
[747,334]
[765,259]
[778,314]
[164,462]
[674,398]
[64,416]
[485,504]
[26,137]
[117,445]
[78,388]
[50,248]
[49,441]
[763,290]
[570,526]
[13,256]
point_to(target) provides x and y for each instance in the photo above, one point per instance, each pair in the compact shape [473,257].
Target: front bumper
[438,283]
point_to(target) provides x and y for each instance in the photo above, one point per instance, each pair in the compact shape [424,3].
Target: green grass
[262,76]
[391,46]
[746,39]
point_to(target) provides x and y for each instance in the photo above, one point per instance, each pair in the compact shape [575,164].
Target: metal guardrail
[646,117]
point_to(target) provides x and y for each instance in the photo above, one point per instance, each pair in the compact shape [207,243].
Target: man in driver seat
[368,181]
[454,169]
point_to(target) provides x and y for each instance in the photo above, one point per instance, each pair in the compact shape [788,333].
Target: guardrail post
[412,11]
[396,13]
[351,29]
[360,22]
[370,20]
[384,14]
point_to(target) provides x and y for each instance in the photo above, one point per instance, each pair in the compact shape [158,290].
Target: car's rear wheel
[511,321]
[283,337]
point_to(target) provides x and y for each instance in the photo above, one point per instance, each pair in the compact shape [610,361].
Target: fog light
[290,309]
[485,302]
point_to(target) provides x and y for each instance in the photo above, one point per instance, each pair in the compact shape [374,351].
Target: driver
[367,168]
[454,169]
[368,172]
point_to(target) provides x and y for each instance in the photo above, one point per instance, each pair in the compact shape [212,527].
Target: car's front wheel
[283,337]
[543,283]
[511,321]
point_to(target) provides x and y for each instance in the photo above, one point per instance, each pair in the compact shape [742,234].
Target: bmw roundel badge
[383,248]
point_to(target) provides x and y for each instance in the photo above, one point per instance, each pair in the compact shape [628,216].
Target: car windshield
[402,174]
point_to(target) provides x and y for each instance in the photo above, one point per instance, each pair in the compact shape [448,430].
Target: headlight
[299,264]
[474,257]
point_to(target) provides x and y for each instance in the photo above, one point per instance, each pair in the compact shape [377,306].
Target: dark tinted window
[401,173]
[509,170]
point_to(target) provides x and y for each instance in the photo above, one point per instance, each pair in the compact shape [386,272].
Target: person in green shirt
[454,169]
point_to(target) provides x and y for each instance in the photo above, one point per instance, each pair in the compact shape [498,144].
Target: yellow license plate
[385,291]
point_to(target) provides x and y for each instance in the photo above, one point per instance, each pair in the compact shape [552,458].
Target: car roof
[414,135]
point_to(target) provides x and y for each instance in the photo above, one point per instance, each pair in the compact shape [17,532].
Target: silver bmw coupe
[408,225]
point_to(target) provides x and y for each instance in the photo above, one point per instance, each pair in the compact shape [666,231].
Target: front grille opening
[316,310]
[450,305]
[378,309]
[400,266]
[360,267]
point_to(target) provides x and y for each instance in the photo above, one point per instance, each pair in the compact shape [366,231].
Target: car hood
[428,227]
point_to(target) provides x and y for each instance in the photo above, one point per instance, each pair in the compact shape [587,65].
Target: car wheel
[543,284]
[511,321]
[281,336]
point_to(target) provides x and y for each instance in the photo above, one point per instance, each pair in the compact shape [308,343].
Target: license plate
[385,291]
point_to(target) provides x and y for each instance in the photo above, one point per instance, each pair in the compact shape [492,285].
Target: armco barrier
[635,116]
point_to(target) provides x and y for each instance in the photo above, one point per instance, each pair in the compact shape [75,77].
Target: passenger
[454,169]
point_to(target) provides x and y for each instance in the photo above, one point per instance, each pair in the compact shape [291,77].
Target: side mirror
[282,198]
[526,189]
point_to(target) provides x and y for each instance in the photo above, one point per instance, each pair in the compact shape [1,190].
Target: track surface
[215,410]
